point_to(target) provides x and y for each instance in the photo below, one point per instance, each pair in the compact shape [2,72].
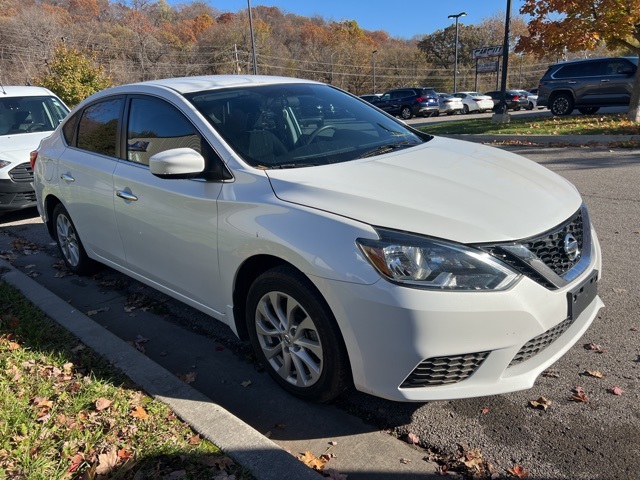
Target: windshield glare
[30,114]
[297,125]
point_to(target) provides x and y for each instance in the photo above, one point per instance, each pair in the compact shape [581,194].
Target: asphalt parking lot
[590,436]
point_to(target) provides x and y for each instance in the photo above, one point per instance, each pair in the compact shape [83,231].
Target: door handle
[126,195]
[67,178]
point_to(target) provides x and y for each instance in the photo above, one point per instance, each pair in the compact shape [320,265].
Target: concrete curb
[245,445]
[546,139]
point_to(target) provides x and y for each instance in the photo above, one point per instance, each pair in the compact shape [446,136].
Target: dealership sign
[486,52]
[487,67]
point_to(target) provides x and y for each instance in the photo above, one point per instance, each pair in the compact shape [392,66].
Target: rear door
[85,176]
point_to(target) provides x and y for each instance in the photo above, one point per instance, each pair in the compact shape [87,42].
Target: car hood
[445,188]
[16,148]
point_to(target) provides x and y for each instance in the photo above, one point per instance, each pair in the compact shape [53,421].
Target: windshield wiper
[382,149]
[296,165]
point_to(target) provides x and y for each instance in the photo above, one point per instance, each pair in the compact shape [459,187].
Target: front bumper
[16,195]
[391,331]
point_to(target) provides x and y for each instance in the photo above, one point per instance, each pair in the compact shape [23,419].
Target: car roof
[210,82]
[23,91]
[585,60]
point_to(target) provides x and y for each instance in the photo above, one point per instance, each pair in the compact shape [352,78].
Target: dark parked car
[371,98]
[514,99]
[587,84]
[409,102]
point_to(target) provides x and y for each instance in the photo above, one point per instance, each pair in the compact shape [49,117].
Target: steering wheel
[318,131]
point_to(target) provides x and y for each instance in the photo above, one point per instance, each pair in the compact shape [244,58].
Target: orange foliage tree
[577,25]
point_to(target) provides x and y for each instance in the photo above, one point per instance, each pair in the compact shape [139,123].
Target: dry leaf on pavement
[518,471]
[542,403]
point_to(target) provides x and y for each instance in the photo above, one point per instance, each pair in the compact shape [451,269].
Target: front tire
[561,104]
[69,244]
[295,336]
[465,109]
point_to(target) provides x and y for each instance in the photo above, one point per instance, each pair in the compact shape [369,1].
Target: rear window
[20,115]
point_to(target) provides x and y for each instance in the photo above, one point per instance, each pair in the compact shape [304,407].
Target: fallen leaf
[103,403]
[334,474]
[405,460]
[311,461]
[412,439]
[551,374]
[246,383]
[76,461]
[124,454]
[91,313]
[195,440]
[484,410]
[139,412]
[187,377]
[542,403]
[594,373]
[106,461]
[333,443]
[579,396]
[518,471]
[14,346]
[615,390]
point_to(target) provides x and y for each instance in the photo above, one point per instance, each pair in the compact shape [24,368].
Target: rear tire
[69,243]
[561,104]
[295,336]
[465,109]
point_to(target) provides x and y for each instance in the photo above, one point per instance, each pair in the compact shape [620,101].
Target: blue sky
[419,17]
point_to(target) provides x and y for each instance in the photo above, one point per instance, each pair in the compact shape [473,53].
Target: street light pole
[455,68]
[373,59]
[253,41]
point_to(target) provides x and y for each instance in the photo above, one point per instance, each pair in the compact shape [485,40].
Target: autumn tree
[577,25]
[73,75]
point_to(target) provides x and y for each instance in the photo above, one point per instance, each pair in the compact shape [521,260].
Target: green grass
[610,124]
[65,413]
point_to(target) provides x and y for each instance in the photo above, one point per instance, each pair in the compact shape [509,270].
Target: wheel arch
[50,203]
[250,269]
[560,91]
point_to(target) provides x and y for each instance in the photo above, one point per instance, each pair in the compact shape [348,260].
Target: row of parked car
[586,84]
[427,102]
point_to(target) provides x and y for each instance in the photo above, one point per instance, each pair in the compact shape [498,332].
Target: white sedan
[346,246]
[475,102]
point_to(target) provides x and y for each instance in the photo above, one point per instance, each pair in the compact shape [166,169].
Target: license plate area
[580,297]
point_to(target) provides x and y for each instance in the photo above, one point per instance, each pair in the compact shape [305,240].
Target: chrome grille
[539,343]
[543,258]
[444,370]
[22,173]
[550,247]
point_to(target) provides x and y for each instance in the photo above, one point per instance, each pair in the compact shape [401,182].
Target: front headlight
[435,264]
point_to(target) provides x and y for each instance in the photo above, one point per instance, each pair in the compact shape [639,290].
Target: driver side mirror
[177,163]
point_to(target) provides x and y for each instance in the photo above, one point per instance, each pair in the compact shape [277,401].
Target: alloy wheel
[68,240]
[289,339]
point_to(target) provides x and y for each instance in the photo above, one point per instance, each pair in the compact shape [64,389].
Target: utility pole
[253,41]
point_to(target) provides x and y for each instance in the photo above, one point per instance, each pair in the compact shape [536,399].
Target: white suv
[347,247]
[27,115]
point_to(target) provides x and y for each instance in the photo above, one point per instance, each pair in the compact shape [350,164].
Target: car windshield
[301,125]
[30,114]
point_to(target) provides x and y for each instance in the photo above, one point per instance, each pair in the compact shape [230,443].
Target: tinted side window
[98,128]
[69,129]
[587,69]
[155,126]
[616,67]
